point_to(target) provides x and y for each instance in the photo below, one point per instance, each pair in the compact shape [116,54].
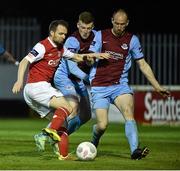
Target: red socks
[59,117]
[64,143]
[56,123]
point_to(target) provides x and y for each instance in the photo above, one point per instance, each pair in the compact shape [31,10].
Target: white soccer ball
[86,151]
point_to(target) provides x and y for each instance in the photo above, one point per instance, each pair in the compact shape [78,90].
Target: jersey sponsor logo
[124,46]
[54,63]
[115,55]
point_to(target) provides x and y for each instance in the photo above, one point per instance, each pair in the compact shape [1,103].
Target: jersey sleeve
[96,44]
[36,53]
[72,44]
[75,70]
[135,48]
[67,53]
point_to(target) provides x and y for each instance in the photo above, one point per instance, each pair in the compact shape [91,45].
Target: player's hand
[163,92]
[89,61]
[17,87]
[101,55]
[78,58]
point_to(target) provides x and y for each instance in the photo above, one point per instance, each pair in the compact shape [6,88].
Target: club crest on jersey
[124,46]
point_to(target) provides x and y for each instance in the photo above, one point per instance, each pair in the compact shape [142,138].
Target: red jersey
[44,59]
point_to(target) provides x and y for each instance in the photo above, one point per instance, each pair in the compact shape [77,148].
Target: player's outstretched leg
[61,148]
[57,121]
[131,134]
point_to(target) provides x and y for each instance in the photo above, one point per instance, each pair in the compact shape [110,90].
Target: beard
[58,44]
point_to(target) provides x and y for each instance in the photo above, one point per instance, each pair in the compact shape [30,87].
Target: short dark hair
[53,25]
[86,17]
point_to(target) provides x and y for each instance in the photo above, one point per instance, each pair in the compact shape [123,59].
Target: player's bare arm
[82,57]
[98,55]
[18,85]
[90,59]
[147,71]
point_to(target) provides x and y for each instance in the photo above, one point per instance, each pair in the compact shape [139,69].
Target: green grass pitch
[18,151]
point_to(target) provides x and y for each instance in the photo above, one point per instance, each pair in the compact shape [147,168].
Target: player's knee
[60,102]
[72,115]
[129,117]
[68,108]
[102,126]
[75,109]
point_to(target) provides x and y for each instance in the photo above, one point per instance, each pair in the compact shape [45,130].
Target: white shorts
[38,96]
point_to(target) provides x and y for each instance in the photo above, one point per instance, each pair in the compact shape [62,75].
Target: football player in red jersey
[39,94]
[70,75]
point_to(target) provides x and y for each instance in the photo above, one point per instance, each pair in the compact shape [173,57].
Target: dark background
[145,16]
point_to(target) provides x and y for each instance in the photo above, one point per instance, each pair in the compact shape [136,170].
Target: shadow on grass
[109,154]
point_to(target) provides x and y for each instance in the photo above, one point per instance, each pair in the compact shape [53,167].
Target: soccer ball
[86,151]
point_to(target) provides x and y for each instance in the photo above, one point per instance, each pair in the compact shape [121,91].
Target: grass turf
[18,151]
